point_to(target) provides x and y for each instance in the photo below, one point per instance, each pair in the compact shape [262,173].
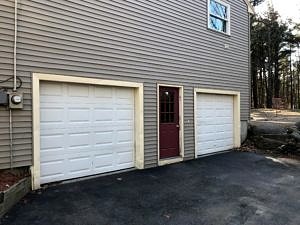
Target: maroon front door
[168,122]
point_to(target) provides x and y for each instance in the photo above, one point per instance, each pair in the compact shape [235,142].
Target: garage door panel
[103,92]
[228,126]
[207,136]
[122,93]
[214,127]
[223,120]
[223,127]
[220,128]
[52,89]
[53,167]
[92,130]
[124,114]
[206,122]
[79,164]
[125,160]
[104,162]
[208,109]
[104,137]
[124,136]
[124,165]
[46,101]
[223,141]
[79,140]
[52,172]
[51,154]
[52,115]
[104,149]
[77,149]
[125,101]
[224,113]
[208,151]
[104,169]
[125,124]
[123,129]
[223,137]
[79,114]
[124,147]
[53,141]
[78,90]
[103,114]
[75,129]
[208,144]
[209,129]
[219,135]
[103,127]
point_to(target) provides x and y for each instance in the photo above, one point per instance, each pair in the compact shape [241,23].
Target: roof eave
[250,7]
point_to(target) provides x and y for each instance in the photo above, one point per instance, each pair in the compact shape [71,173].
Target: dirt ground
[269,121]
[282,117]
[10,177]
[249,146]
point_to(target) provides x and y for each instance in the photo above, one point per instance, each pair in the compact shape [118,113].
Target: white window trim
[228,24]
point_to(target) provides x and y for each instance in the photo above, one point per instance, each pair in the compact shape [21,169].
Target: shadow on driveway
[232,188]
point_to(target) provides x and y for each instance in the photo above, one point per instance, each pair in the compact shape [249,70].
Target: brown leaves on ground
[9,177]
[249,146]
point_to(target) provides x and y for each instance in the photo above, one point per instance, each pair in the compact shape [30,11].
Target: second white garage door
[84,130]
[214,123]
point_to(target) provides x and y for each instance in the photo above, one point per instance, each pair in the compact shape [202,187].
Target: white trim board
[139,115]
[236,113]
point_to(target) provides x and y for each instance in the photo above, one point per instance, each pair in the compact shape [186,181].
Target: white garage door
[214,125]
[84,130]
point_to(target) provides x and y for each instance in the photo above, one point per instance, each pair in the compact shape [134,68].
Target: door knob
[177,126]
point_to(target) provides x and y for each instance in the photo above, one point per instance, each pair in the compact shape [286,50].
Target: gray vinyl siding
[21,119]
[149,41]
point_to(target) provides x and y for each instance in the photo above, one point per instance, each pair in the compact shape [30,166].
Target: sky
[286,8]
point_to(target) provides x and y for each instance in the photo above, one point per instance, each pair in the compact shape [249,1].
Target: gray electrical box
[3,98]
[15,100]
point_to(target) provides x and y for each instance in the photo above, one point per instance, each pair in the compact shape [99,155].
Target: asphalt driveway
[232,188]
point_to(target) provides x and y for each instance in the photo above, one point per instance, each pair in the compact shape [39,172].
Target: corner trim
[139,115]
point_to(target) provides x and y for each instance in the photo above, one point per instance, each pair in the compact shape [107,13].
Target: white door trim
[181,124]
[236,113]
[139,115]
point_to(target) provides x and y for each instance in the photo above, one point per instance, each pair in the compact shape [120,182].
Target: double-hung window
[219,16]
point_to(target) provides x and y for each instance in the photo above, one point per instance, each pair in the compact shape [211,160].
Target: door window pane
[167,101]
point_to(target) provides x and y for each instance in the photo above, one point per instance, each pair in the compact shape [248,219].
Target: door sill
[167,161]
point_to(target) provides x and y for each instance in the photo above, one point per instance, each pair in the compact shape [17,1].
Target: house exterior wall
[146,41]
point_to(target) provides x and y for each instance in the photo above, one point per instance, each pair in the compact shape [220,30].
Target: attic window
[219,16]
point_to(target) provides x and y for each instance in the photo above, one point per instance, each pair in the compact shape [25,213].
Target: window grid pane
[218,24]
[218,9]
